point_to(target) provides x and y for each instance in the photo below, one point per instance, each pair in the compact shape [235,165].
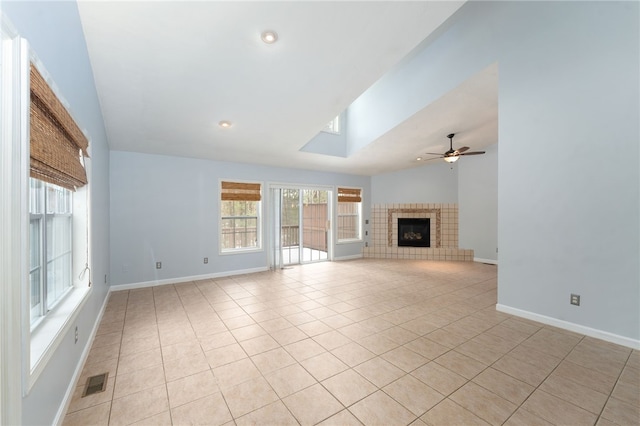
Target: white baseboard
[186,279]
[352,257]
[576,328]
[489,261]
[66,401]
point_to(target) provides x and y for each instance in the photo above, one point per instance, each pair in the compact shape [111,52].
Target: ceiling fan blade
[434,158]
[433,153]
[463,149]
[473,153]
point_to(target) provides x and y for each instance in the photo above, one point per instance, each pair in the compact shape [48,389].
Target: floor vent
[95,384]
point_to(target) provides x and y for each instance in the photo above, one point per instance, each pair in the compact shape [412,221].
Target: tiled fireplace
[443,232]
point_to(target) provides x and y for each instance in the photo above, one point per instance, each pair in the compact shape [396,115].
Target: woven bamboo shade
[349,195]
[57,143]
[239,191]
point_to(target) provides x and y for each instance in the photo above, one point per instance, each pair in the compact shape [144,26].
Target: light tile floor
[374,342]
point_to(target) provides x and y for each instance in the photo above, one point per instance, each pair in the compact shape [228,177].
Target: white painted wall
[434,183]
[54,32]
[478,203]
[167,209]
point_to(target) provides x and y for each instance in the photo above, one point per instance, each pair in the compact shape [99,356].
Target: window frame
[42,215]
[259,220]
[42,340]
[334,126]
[359,237]
[40,343]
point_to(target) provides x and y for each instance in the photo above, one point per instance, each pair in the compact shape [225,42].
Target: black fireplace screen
[414,233]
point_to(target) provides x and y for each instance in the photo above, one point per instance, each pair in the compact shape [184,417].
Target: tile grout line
[124,321]
[613,388]
[546,377]
[257,293]
[164,371]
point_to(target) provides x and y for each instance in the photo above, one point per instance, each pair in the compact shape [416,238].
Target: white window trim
[43,264]
[40,344]
[50,332]
[260,221]
[334,127]
[349,241]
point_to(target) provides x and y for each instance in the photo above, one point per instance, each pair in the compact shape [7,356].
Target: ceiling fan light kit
[451,156]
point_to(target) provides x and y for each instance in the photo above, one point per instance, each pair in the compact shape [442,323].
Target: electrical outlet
[575,299]
[76,335]
[158,265]
[105,278]
[366,233]
[206,260]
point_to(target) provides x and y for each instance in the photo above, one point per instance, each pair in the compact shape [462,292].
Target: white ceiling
[167,72]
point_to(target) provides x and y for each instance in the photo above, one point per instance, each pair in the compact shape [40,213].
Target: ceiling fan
[451,156]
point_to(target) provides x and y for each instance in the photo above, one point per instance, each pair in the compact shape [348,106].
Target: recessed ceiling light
[269,36]
[419,159]
[224,124]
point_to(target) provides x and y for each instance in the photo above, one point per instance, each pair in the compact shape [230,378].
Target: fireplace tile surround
[443,238]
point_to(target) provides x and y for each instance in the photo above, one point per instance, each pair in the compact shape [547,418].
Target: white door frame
[274,234]
[13,202]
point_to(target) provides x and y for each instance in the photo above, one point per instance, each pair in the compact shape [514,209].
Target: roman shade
[57,144]
[349,195]
[240,191]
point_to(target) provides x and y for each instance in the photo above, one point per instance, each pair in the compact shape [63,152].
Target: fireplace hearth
[414,232]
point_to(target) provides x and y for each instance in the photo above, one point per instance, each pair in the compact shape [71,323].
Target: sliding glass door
[290,226]
[315,225]
[300,225]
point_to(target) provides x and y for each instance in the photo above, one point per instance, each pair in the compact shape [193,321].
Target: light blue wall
[568,222]
[167,209]
[329,143]
[478,203]
[55,35]
[437,66]
[569,184]
[435,183]
[568,191]
[472,183]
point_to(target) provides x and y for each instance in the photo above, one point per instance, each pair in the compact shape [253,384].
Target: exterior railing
[314,238]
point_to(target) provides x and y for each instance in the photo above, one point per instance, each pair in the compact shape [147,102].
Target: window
[56,148]
[58,235]
[333,126]
[349,213]
[50,251]
[240,216]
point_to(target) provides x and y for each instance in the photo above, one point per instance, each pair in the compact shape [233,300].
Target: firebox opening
[414,232]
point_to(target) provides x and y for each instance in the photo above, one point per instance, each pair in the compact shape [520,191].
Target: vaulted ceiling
[168,72]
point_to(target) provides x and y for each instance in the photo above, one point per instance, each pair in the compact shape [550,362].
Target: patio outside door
[303,226]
